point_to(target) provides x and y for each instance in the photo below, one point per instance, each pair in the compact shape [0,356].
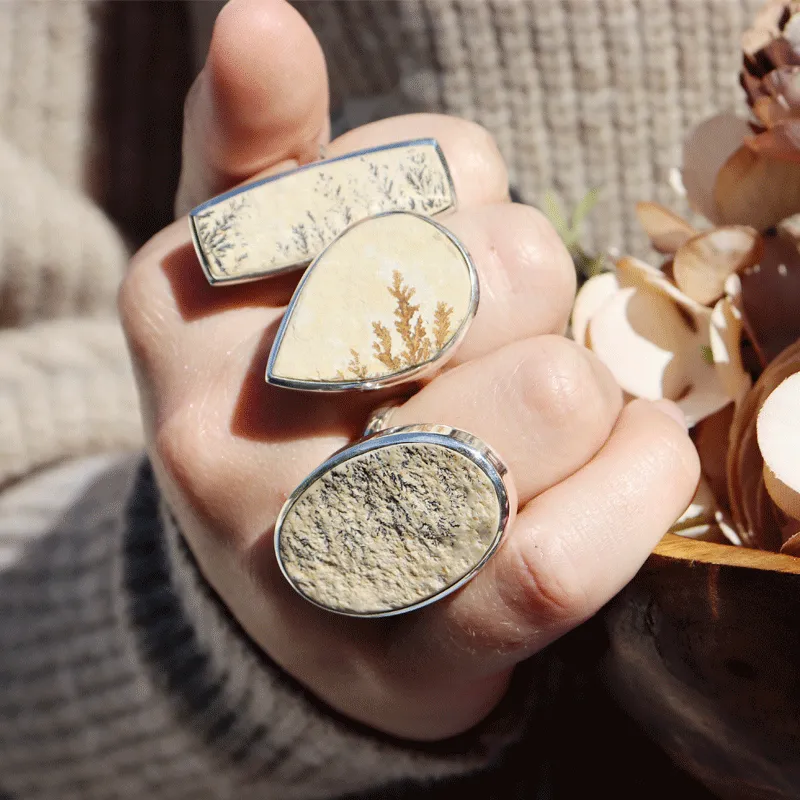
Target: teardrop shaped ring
[387,302]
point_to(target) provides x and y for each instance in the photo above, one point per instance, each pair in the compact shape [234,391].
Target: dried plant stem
[763,361]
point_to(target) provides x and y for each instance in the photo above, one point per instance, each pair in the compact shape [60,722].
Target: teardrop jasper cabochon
[395,522]
[386,302]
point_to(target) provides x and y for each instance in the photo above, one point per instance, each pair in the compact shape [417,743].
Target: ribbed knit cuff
[124,676]
[260,726]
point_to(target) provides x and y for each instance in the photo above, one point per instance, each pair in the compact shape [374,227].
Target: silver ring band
[379,419]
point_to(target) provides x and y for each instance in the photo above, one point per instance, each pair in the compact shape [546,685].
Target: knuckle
[479,154]
[674,453]
[132,295]
[176,447]
[560,386]
[553,256]
[182,447]
[543,261]
[547,587]
[144,301]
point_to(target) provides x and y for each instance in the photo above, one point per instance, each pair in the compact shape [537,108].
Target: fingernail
[671,410]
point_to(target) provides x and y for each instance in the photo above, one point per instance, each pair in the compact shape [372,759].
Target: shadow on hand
[195,297]
[264,412]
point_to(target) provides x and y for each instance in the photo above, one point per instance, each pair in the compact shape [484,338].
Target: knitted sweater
[121,674]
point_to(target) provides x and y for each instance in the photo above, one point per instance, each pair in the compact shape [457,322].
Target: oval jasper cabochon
[388,296]
[390,528]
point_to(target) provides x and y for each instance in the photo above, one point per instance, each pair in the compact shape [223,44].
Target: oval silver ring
[395,522]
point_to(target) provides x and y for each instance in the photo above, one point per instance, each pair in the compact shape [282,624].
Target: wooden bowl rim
[682,549]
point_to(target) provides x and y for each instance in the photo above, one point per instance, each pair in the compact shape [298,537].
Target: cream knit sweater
[121,675]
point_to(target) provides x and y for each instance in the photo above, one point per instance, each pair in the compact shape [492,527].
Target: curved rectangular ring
[283,222]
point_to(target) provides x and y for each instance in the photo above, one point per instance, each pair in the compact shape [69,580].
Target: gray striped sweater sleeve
[123,676]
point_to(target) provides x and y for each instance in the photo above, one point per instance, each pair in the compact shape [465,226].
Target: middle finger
[546,405]
[526,283]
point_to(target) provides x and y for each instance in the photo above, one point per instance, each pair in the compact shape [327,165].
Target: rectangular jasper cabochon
[387,296]
[285,221]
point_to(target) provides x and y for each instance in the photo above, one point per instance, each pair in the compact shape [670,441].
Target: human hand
[598,484]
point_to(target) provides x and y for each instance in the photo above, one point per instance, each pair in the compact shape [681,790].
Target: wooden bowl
[705,655]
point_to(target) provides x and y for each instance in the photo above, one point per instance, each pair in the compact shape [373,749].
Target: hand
[598,484]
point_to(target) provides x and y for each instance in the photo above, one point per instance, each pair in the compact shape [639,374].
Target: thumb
[260,100]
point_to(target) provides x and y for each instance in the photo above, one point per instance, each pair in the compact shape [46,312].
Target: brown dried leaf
[769,112]
[654,348]
[789,228]
[726,341]
[754,190]
[791,547]
[781,141]
[588,301]
[704,262]
[632,271]
[765,26]
[666,230]
[711,441]
[771,296]
[705,151]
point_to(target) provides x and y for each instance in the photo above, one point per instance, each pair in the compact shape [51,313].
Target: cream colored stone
[389,528]
[350,321]
[285,222]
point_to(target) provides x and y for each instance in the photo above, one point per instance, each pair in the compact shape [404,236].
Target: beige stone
[388,296]
[286,222]
[389,528]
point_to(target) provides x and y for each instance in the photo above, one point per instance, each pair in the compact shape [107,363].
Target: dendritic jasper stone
[386,530]
[285,221]
[390,297]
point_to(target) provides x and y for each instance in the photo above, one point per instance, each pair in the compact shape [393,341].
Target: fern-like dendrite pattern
[273,226]
[417,346]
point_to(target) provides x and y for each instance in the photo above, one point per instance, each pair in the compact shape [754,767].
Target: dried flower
[658,340]
[771,78]
[716,328]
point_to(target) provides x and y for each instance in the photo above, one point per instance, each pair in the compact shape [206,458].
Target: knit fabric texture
[125,677]
[578,93]
[122,674]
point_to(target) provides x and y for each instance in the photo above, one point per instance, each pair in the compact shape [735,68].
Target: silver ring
[395,522]
[387,302]
[282,222]
[379,419]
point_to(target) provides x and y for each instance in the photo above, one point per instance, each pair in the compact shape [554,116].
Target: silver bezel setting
[201,256]
[418,371]
[440,435]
